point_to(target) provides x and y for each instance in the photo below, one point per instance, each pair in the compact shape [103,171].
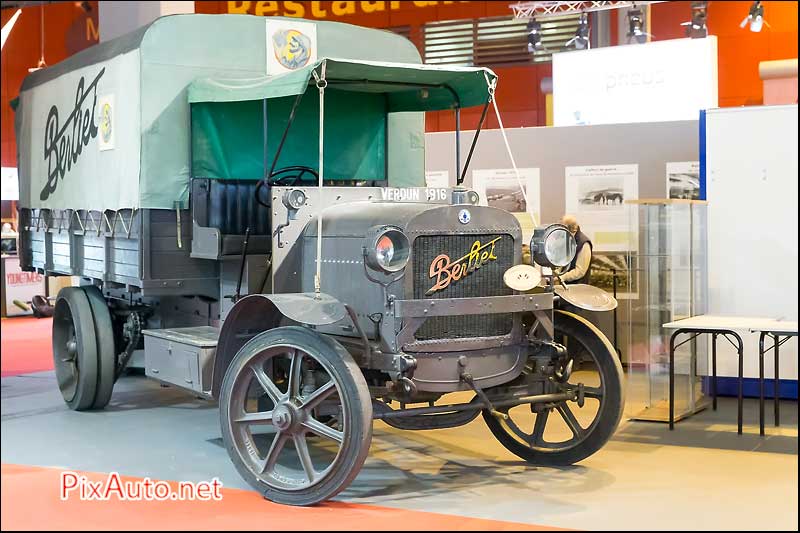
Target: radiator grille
[484,281]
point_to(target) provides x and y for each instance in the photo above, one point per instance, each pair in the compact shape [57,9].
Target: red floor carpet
[31,500]
[25,345]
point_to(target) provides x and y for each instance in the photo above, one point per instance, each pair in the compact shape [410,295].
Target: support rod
[460,179]
[538,398]
[458,141]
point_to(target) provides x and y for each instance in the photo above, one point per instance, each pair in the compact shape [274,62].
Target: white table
[775,329]
[725,326]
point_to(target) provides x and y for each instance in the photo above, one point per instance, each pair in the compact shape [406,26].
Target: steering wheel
[300,169]
[272,180]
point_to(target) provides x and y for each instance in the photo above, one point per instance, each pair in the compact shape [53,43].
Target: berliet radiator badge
[446,271]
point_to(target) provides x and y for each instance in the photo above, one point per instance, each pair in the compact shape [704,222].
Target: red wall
[740,50]
[518,96]
[67,30]
[519,99]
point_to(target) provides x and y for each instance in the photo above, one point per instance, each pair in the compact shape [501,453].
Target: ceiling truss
[552,9]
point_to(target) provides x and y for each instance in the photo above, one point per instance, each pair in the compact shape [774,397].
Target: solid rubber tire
[575,326]
[354,391]
[106,350]
[75,299]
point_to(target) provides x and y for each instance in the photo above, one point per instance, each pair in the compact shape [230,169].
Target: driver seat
[231,207]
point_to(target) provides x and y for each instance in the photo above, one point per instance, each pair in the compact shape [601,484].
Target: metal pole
[321,83]
[458,141]
[714,369]
[761,383]
[292,113]
[265,154]
[741,380]
[460,179]
[238,293]
[614,285]
[672,378]
[777,391]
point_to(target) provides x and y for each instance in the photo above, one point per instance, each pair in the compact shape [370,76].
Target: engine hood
[356,218]
[353,219]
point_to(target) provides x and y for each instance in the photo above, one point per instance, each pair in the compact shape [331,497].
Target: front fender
[586,297]
[256,313]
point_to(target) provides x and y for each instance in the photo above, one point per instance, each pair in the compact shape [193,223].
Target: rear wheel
[563,433]
[75,348]
[106,354]
[296,415]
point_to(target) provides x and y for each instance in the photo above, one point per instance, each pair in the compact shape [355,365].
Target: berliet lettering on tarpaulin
[61,150]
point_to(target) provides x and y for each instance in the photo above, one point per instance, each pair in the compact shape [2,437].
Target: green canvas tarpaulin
[141,79]
[408,87]
[361,96]
[228,137]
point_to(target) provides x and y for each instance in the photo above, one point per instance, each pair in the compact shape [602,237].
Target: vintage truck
[244,201]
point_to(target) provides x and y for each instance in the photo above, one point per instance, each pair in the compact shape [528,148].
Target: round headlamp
[553,246]
[387,249]
[294,199]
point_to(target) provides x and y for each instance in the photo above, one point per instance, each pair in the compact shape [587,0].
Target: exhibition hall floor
[700,476]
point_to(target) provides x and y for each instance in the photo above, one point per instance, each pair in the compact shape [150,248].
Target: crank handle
[498,414]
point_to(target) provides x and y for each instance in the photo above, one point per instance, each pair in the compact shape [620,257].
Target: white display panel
[501,188]
[659,81]
[437,178]
[596,196]
[9,184]
[20,286]
[683,180]
[751,186]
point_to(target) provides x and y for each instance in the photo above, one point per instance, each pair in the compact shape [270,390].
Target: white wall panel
[751,186]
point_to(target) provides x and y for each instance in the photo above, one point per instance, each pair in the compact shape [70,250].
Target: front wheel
[563,433]
[296,415]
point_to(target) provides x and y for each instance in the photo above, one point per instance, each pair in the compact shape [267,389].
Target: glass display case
[669,260]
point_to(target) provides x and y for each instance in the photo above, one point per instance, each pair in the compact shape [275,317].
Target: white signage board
[437,178]
[20,286]
[596,196]
[683,180]
[658,81]
[9,184]
[500,188]
[290,45]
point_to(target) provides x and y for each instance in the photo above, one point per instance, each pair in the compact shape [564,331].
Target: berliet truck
[244,202]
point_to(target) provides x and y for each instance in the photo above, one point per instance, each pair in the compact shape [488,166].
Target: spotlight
[535,37]
[696,28]
[581,38]
[636,26]
[755,17]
